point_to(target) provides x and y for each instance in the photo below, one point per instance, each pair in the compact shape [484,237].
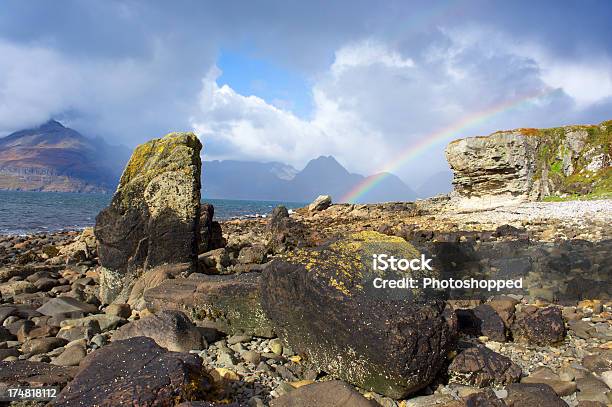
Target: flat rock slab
[169,329]
[26,373]
[531,395]
[61,305]
[233,301]
[134,372]
[333,393]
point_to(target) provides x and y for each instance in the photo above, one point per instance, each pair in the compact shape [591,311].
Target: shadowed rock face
[153,218]
[322,303]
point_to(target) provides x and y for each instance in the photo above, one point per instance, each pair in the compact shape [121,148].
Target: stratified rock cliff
[532,164]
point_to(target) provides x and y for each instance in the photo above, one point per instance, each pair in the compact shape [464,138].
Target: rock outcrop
[153,218]
[532,164]
[323,304]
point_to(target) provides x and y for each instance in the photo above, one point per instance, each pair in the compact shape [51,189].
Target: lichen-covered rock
[169,329]
[544,326]
[531,164]
[153,218]
[482,367]
[135,372]
[233,301]
[324,305]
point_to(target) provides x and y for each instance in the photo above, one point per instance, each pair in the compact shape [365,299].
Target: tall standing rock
[153,218]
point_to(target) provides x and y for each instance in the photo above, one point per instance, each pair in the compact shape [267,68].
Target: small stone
[238,339]
[276,346]
[42,345]
[119,310]
[252,357]
[321,203]
[71,356]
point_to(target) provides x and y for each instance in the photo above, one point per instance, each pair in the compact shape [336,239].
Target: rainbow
[414,149]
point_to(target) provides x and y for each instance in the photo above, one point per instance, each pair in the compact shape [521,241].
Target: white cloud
[375,101]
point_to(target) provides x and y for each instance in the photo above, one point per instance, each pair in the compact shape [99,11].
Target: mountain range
[52,157]
[280,182]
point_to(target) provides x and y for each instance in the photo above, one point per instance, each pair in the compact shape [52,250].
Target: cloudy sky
[290,80]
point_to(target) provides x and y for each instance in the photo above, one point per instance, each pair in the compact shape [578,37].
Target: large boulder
[483,367]
[323,304]
[169,329]
[232,301]
[135,372]
[153,218]
[544,326]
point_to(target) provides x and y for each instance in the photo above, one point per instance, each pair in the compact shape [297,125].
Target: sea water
[35,212]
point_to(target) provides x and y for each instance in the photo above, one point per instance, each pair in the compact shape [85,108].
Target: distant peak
[51,124]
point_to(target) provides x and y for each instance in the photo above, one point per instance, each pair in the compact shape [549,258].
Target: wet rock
[26,373]
[482,367]
[169,329]
[321,203]
[545,326]
[153,218]
[135,372]
[482,321]
[331,393]
[62,305]
[386,340]
[232,301]
[530,395]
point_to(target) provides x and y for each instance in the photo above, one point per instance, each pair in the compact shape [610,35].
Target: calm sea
[34,212]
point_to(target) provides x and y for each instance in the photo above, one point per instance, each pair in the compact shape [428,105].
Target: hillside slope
[55,158]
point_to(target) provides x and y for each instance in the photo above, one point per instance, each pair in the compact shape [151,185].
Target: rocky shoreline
[162,305]
[52,318]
